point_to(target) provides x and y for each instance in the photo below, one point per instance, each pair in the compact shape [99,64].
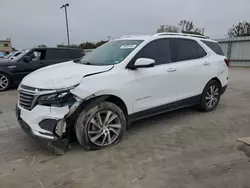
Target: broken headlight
[56,98]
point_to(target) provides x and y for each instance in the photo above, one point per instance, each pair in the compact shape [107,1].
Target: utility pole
[66,16]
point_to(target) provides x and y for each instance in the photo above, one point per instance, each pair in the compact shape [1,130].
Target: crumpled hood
[61,75]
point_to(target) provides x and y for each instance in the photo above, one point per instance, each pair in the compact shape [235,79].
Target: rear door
[191,65]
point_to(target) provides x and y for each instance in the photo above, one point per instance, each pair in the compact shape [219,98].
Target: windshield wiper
[86,62]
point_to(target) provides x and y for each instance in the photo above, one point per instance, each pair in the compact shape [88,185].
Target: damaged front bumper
[46,122]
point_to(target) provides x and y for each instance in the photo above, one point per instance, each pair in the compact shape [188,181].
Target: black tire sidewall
[203,104]
[83,121]
[9,80]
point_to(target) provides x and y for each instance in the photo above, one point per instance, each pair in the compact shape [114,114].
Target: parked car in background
[12,71]
[13,55]
[122,81]
[2,54]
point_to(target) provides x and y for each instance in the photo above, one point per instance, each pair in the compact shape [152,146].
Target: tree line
[84,45]
[184,26]
[241,29]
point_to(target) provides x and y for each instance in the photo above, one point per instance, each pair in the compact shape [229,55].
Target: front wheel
[210,96]
[100,127]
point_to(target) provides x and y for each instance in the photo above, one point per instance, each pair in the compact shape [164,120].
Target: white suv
[122,81]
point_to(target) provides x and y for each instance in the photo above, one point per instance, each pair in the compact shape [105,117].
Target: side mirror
[144,63]
[26,59]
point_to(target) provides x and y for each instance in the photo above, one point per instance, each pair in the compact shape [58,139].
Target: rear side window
[214,46]
[185,49]
[159,50]
[58,54]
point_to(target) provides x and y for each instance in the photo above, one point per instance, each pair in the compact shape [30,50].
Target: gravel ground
[184,148]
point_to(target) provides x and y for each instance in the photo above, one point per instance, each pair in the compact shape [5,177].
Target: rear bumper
[223,89]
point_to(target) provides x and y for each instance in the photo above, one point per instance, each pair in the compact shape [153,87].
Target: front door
[155,86]
[32,61]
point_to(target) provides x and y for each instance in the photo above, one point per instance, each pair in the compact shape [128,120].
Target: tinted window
[58,54]
[74,54]
[159,50]
[37,55]
[185,49]
[214,46]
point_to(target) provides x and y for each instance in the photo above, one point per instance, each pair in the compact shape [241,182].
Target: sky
[32,22]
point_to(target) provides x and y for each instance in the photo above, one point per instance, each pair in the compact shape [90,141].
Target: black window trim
[37,49]
[132,61]
[197,42]
[203,42]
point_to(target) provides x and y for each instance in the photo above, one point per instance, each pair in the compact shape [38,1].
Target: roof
[170,35]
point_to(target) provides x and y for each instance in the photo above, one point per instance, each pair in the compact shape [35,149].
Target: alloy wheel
[4,82]
[104,128]
[212,96]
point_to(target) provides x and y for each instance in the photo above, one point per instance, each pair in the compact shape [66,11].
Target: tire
[4,82]
[93,129]
[210,101]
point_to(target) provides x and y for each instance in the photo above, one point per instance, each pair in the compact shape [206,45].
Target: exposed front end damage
[48,121]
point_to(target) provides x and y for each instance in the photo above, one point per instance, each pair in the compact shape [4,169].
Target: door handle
[172,70]
[12,67]
[206,63]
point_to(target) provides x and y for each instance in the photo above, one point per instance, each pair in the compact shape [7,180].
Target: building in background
[237,50]
[5,46]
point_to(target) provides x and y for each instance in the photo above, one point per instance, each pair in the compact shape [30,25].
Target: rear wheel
[210,96]
[100,127]
[4,82]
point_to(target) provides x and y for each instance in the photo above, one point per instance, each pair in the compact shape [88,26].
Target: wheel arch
[216,79]
[90,103]
[6,73]
[109,98]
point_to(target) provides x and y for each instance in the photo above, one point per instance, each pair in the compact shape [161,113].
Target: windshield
[110,53]
[8,56]
[22,54]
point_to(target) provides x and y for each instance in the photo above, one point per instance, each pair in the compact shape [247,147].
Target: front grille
[28,88]
[26,99]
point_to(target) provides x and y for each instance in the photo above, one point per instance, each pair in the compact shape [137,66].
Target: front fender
[5,70]
[88,94]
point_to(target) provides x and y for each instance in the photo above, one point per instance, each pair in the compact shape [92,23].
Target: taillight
[227,61]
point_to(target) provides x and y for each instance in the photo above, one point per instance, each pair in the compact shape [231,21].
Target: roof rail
[181,34]
[127,36]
